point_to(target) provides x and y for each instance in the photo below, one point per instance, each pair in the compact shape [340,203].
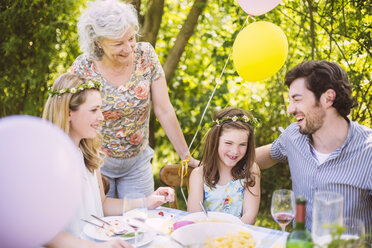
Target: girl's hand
[160,196]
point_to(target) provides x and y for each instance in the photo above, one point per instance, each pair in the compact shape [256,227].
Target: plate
[160,214]
[98,234]
[199,217]
[200,232]
[160,224]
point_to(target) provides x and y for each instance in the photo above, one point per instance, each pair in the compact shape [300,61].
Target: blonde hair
[57,109]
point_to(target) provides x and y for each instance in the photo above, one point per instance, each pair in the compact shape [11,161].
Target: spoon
[204,209]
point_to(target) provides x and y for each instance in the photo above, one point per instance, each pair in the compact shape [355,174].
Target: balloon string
[184,166]
[182,172]
[214,90]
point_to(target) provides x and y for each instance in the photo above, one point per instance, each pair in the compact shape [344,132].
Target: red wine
[283,218]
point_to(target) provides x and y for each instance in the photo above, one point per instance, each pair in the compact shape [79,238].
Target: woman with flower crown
[74,105]
[132,79]
[228,179]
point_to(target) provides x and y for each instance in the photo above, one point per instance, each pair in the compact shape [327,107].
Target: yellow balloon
[259,51]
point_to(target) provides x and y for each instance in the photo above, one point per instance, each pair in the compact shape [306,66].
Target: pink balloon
[258,7]
[40,184]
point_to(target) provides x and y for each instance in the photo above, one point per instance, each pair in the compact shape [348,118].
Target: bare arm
[114,207]
[263,157]
[251,202]
[164,112]
[196,190]
[64,239]
[111,206]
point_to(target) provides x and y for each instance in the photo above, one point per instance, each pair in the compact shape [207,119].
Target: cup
[353,228]
[135,207]
[327,214]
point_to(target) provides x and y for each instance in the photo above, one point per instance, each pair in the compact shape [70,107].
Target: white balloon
[40,187]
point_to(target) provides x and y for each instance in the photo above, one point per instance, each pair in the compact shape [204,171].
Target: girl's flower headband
[89,85]
[234,118]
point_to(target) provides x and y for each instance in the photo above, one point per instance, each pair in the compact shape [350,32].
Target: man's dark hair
[321,76]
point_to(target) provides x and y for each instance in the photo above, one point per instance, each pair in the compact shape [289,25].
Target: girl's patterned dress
[227,198]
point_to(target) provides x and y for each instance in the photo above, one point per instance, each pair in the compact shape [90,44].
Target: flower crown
[234,118]
[89,85]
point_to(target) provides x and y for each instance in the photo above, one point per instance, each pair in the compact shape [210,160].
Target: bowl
[198,233]
[199,217]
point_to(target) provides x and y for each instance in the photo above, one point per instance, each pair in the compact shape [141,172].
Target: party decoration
[259,51]
[40,188]
[258,7]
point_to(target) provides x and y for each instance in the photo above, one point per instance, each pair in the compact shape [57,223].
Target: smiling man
[324,149]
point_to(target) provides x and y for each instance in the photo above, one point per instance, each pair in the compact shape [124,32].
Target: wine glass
[135,207]
[283,207]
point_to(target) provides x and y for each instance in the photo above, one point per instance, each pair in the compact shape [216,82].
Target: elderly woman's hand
[193,162]
[160,196]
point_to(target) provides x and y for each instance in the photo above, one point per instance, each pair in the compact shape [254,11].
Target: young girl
[74,105]
[228,180]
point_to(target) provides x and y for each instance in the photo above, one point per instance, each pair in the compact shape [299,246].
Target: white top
[321,156]
[90,201]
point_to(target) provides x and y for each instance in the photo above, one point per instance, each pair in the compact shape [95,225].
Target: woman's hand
[114,243]
[193,162]
[160,196]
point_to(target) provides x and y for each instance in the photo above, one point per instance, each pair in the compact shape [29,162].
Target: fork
[116,231]
[204,209]
[120,232]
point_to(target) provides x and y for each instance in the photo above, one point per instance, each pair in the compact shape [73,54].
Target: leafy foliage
[39,41]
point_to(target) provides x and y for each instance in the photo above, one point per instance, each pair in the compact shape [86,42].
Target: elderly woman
[131,75]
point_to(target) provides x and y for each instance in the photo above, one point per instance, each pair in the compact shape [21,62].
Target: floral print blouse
[126,108]
[226,198]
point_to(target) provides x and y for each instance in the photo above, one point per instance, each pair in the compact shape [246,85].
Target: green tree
[36,41]
[194,40]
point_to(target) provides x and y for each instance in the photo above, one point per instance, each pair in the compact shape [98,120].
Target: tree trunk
[152,21]
[149,32]
[312,31]
[182,39]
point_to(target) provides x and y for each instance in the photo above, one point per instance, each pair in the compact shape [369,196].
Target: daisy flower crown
[88,85]
[244,118]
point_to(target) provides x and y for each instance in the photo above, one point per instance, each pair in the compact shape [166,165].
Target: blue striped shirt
[348,170]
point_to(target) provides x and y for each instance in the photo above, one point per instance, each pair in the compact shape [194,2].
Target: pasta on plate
[240,240]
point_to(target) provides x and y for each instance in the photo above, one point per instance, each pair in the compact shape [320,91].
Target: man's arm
[263,157]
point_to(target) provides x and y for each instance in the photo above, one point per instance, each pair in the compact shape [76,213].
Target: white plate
[200,232]
[199,217]
[99,234]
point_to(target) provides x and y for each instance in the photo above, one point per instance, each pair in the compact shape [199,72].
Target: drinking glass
[354,228]
[327,214]
[134,207]
[283,207]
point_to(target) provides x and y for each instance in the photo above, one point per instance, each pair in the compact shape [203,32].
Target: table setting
[166,227]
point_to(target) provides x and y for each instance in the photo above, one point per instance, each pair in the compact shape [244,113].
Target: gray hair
[104,19]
